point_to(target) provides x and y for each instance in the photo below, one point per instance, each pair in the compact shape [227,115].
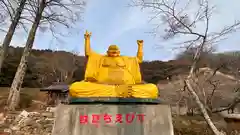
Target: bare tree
[231,107]
[68,67]
[14,94]
[177,19]
[6,4]
[3,17]
[63,68]
[49,13]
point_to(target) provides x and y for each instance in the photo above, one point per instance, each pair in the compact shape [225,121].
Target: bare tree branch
[179,23]
[232,105]
[58,13]
[14,22]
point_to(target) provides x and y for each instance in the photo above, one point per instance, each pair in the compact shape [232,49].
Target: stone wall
[157,120]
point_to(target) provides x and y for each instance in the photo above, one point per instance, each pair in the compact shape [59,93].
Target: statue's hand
[91,79]
[140,42]
[87,35]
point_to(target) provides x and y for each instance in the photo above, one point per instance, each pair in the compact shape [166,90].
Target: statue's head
[113,51]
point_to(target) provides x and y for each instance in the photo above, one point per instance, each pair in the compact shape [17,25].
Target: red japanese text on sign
[96,119]
[130,117]
[83,119]
[119,118]
[108,118]
[140,117]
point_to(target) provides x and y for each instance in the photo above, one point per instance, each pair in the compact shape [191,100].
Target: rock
[2,118]
[185,123]
[29,123]
[47,114]
[51,109]
[9,131]
[15,128]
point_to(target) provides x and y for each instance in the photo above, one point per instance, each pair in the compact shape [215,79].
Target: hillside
[222,87]
[46,66]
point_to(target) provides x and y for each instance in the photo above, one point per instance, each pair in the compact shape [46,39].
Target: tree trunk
[202,108]
[11,30]
[189,81]
[14,94]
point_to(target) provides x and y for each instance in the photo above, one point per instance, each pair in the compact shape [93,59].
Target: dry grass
[195,125]
[27,95]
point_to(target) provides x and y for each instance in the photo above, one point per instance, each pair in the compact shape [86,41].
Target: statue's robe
[112,77]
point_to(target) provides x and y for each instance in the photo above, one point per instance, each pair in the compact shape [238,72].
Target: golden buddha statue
[112,75]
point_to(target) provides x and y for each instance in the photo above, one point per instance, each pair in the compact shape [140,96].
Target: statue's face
[113,51]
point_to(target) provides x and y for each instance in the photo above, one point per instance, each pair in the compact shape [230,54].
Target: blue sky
[112,22]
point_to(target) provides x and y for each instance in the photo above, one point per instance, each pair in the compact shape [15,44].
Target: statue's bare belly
[114,71]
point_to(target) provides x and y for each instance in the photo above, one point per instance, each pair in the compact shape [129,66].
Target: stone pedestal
[104,119]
